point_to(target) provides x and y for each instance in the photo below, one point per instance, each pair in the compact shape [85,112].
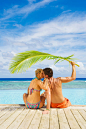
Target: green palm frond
[22,61]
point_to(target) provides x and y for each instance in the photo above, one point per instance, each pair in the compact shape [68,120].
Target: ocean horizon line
[27,79]
[33,77]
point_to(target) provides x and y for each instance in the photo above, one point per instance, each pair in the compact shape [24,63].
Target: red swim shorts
[64,104]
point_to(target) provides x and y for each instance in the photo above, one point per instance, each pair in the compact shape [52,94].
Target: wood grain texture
[18,117]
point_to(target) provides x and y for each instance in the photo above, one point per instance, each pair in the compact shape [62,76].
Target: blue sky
[57,27]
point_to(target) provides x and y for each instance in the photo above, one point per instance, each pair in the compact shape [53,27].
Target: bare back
[36,84]
[56,85]
[35,96]
[56,90]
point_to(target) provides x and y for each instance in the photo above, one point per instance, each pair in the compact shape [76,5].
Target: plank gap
[67,119]
[75,118]
[81,113]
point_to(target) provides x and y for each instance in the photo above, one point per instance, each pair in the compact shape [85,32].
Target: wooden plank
[79,118]
[54,124]
[83,113]
[5,117]
[10,119]
[85,110]
[36,120]
[62,119]
[33,127]
[44,123]
[27,120]
[71,120]
[18,120]
[3,112]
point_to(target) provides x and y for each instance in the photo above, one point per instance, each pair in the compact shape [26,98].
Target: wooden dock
[18,117]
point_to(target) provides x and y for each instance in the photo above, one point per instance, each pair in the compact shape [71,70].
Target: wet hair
[48,71]
[38,71]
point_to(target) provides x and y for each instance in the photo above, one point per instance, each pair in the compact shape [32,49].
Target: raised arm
[73,76]
[43,85]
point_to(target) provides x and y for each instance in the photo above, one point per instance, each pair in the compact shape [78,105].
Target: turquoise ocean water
[12,90]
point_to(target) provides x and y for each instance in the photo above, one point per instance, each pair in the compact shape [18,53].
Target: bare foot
[45,112]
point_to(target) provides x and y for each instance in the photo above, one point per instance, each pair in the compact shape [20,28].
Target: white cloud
[66,71]
[56,36]
[5,58]
[18,25]
[7,55]
[81,65]
[62,36]
[63,32]
[82,68]
[59,69]
[13,53]
[16,10]
[1,64]
[31,1]
[6,67]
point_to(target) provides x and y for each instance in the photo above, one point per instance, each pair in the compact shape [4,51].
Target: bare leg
[42,98]
[25,98]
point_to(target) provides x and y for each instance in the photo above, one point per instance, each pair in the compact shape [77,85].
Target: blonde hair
[38,71]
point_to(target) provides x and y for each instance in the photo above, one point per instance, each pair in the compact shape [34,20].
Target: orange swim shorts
[64,104]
